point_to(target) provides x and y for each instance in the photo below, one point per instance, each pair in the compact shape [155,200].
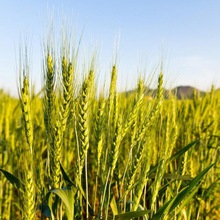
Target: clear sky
[184,34]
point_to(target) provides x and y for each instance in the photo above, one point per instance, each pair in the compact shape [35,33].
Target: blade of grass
[13,179]
[182,196]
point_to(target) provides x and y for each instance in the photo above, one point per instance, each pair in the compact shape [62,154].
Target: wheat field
[73,152]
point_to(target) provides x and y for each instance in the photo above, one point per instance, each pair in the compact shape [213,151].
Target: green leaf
[67,196]
[66,177]
[13,179]
[130,215]
[183,150]
[175,156]
[183,196]
[187,190]
[70,183]
[187,199]
[162,210]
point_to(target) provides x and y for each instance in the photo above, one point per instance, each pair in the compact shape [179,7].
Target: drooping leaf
[67,196]
[13,180]
[66,177]
[70,183]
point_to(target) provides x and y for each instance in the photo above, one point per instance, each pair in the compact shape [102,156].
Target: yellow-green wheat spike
[29,196]
[116,145]
[55,155]
[169,143]
[112,89]
[49,96]
[137,105]
[25,102]
[142,131]
[146,162]
[29,191]
[67,83]
[99,130]
[83,123]
[154,111]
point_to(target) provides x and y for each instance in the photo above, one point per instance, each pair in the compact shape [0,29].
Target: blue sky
[184,34]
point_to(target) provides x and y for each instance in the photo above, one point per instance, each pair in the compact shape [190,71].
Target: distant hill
[186,92]
[181,92]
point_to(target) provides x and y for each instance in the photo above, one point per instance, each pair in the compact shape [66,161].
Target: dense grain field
[72,152]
